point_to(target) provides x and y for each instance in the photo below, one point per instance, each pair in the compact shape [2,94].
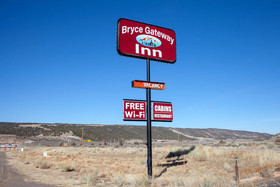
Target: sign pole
[149,125]
[138,40]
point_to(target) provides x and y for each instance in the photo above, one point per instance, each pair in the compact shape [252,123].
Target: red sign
[146,41]
[147,84]
[134,110]
[162,111]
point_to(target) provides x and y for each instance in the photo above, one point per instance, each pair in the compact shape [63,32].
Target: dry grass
[68,167]
[206,166]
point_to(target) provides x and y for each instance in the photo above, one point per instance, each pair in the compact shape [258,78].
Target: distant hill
[224,134]
[109,132]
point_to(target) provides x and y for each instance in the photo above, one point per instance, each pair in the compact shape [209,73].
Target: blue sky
[59,64]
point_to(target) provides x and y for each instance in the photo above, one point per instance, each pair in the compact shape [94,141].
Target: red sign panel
[146,41]
[162,111]
[134,110]
[146,84]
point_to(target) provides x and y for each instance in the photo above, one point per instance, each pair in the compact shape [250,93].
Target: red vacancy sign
[134,110]
[162,111]
[141,40]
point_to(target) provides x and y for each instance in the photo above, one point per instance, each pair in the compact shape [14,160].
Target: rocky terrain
[275,138]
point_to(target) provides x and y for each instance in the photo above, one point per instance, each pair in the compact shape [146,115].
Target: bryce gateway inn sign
[149,42]
[146,41]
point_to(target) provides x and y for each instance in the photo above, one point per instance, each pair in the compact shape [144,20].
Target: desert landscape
[140,93]
[65,159]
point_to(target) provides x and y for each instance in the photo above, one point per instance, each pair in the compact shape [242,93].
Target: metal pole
[149,125]
[236,172]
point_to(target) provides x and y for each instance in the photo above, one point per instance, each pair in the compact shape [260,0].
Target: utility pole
[82,136]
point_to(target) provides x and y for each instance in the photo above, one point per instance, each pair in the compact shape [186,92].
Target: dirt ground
[113,165]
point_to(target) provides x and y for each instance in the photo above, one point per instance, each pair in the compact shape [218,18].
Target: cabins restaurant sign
[146,41]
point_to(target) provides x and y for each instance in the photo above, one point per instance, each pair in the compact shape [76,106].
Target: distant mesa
[107,132]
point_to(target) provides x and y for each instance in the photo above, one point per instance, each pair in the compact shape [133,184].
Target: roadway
[275,182]
[9,177]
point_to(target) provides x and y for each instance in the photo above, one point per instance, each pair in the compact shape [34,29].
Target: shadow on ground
[172,163]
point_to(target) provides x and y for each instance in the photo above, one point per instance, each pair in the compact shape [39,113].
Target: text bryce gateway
[149,31]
